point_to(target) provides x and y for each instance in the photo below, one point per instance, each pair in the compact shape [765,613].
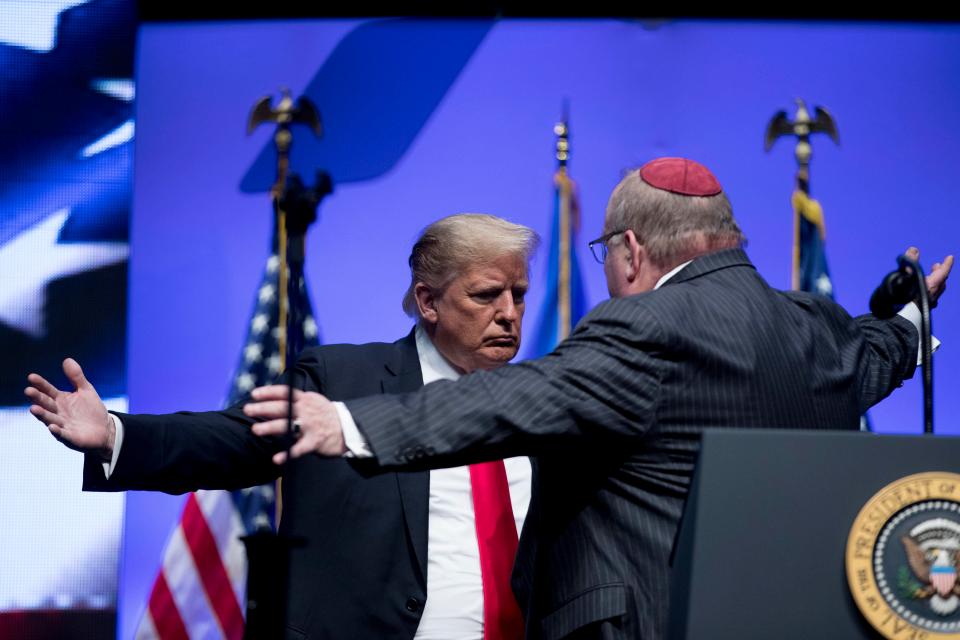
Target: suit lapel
[402,375]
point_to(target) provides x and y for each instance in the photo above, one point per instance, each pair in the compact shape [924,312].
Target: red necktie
[497,538]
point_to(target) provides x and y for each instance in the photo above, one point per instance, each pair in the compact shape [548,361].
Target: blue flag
[565,302]
[811,271]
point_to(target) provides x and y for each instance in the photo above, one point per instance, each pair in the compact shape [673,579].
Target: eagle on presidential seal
[933,552]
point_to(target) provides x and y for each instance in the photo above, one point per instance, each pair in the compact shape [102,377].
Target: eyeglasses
[599,248]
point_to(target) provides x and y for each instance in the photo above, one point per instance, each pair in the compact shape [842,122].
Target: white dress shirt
[454,608]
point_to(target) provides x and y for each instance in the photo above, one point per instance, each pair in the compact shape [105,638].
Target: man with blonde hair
[396,556]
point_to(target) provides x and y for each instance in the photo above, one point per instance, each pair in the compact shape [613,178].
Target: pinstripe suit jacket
[614,415]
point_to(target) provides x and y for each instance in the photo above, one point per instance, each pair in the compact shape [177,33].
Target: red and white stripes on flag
[199,592]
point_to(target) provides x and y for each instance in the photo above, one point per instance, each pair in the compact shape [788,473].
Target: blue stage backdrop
[426,119]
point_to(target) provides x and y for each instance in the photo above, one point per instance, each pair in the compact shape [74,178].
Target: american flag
[200,590]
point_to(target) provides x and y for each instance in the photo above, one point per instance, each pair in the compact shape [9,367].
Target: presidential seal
[903,556]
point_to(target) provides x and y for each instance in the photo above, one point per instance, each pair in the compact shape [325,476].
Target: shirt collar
[669,274]
[432,363]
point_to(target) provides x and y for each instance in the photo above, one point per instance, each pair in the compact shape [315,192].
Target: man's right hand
[78,419]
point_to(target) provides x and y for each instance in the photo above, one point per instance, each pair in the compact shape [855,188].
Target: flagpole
[283,300]
[283,285]
[795,263]
[563,304]
[563,185]
[268,553]
[802,152]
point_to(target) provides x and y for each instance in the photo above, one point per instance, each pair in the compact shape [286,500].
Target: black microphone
[897,289]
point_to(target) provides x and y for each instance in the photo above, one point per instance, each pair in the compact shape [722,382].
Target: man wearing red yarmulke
[692,338]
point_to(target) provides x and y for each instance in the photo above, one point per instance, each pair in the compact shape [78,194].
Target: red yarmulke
[682,176]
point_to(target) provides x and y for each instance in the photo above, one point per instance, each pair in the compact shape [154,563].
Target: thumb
[75,374]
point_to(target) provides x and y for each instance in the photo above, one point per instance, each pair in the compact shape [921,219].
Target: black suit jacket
[362,571]
[615,415]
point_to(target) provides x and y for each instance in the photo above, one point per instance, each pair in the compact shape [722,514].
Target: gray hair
[672,227]
[450,246]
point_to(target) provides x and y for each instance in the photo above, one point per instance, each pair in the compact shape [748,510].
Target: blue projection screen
[429,118]
[66,125]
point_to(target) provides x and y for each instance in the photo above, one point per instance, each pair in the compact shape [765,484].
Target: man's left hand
[316,424]
[936,277]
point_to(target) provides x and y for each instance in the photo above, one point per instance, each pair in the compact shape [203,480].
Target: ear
[636,255]
[426,302]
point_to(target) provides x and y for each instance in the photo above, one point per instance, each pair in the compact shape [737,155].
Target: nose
[507,309]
